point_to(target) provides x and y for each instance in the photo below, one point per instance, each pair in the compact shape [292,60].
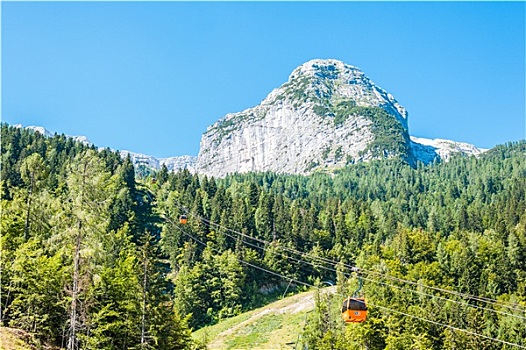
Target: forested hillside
[81,265]
[95,258]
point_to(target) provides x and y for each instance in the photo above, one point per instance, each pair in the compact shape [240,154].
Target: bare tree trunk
[72,341]
[26,227]
[1,310]
[145,285]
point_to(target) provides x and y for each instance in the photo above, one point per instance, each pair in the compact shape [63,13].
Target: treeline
[81,266]
[458,226]
[93,251]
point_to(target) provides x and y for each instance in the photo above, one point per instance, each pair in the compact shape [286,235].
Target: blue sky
[151,76]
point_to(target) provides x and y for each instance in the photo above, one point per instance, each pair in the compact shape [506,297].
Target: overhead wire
[291,250]
[513,306]
[354,268]
[241,260]
[286,257]
[369,303]
[379,282]
[442,298]
[449,326]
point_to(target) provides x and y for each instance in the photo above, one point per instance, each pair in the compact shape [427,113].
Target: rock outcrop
[328,114]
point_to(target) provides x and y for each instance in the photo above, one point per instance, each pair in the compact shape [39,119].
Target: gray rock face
[312,121]
[427,151]
[179,163]
[171,163]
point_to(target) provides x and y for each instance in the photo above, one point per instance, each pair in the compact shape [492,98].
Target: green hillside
[276,326]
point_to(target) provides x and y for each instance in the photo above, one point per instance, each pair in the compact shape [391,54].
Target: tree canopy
[94,256]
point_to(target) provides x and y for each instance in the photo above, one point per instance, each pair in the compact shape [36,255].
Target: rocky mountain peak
[328,81]
[328,114]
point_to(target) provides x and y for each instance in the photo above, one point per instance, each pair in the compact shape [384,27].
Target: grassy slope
[275,326]
[15,339]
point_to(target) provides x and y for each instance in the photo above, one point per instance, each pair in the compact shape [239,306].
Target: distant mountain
[427,150]
[327,115]
[47,133]
[172,163]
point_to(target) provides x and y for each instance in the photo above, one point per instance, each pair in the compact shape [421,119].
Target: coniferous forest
[93,255]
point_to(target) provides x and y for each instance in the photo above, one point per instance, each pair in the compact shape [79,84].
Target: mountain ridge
[427,150]
[173,163]
[328,114]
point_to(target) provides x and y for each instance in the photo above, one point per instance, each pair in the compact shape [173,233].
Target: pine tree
[90,191]
[33,170]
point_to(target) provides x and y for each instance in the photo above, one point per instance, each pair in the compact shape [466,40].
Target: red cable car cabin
[354,310]
[183,219]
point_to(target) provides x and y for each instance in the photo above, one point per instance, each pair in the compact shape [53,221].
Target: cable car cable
[245,262]
[445,299]
[450,327]
[354,268]
[401,288]
[378,306]
[513,306]
[281,254]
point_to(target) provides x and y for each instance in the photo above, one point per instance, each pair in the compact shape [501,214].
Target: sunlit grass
[275,326]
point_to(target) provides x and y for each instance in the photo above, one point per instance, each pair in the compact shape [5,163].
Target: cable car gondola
[354,310]
[183,219]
